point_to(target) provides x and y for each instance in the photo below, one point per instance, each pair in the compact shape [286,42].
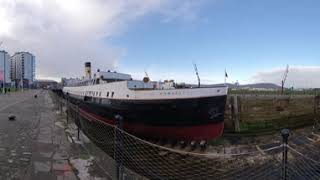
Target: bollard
[285,135]
[118,147]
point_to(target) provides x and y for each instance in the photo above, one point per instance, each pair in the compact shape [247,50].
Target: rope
[301,154]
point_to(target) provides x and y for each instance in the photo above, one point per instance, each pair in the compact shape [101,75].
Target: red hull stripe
[195,132]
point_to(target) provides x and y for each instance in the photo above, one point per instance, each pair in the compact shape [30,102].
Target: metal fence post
[67,109]
[60,106]
[118,147]
[78,120]
[285,134]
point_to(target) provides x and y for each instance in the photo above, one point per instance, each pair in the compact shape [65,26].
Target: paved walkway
[34,146]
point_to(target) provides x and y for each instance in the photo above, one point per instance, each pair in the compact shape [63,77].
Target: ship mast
[284,78]
[196,70]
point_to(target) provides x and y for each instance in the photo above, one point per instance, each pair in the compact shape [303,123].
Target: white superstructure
[120,90]
[113,76]
[112,85]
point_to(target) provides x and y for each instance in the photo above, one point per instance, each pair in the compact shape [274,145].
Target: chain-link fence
[129,157]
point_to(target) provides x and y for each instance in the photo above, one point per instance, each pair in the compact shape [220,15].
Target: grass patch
[84,156]
[217,142]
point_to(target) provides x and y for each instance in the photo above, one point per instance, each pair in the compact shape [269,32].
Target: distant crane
[284,78]
[196,70]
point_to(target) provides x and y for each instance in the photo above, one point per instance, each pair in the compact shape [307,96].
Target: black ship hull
[181,119]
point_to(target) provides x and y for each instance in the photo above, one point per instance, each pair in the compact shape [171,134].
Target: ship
[149,109]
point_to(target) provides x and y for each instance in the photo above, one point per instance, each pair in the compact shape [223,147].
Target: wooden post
[316,111]
[235,114]
[316,105]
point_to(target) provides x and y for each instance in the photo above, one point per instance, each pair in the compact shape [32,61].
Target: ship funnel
[87,69]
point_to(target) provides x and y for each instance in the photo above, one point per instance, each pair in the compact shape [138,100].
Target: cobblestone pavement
[33,146]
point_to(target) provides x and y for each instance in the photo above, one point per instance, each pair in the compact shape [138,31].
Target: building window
[107,94]
[112,94]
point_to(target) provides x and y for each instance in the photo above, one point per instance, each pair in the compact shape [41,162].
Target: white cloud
[187,11]
[298,76]
[65,33]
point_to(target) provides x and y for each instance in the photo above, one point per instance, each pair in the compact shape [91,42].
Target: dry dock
[43,143]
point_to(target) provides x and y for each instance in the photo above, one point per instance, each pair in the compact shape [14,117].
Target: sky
[252,40]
